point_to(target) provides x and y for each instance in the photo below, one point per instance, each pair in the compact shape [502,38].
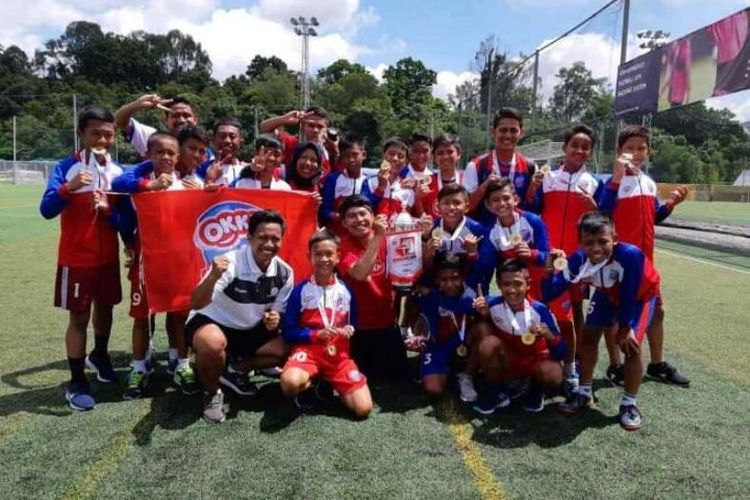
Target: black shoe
[323,391]
[664,372]
[616,375]
[238,382]
[307,401]
[102,365]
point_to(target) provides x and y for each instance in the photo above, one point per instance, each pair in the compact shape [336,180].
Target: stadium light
[304,28]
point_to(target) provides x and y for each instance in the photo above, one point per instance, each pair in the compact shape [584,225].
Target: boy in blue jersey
[442,333]
[625,297]
[348,181]
[319,321]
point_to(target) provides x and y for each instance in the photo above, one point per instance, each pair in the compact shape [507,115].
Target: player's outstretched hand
[678,195]
[380,224]
[480,303]
[553,255]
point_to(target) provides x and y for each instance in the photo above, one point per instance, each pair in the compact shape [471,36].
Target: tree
[500,79]
[339,69]
[260,64]
[409,86]
[576,90]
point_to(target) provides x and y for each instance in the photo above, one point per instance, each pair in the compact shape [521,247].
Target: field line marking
[108,458]
[17,206]
[484,480]
[702,261]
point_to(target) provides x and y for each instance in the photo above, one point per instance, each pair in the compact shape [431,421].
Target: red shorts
[77,287]
[339,370]
[138,299]
[522,366]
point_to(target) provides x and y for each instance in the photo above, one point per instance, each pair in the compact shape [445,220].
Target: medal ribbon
[496,166]
[514,325]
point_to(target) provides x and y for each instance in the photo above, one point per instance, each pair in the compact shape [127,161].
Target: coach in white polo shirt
[237,312]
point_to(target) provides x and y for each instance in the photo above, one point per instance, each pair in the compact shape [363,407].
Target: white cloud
[378,71]
[737,103]
[447,81]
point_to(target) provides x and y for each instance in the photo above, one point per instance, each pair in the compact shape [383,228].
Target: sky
[444,34]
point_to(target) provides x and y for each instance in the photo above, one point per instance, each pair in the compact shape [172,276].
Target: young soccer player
[88,268]
[502,161]
[626,284]
[178,112]
[386,191]
[349,181]
[377,347]
[441,332]
[420,153]
[193,141]
[319,321]
[521,341]
[447,152]
[562,196]
[631,198]
[260,173]
[236,313]
[156,174]
[313,124]
[228,140]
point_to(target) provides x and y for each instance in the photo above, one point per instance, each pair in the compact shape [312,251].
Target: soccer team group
[552,238]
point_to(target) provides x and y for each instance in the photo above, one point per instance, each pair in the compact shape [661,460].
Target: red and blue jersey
[626,279]
[337,186]
[443,322]
[312,307]
[561,204]
[635,208]
[479,269]
[88,236]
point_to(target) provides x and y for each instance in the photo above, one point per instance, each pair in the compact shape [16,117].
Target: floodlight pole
[75,124]
[305,29]
[536,77]
[14,138]
[623,54]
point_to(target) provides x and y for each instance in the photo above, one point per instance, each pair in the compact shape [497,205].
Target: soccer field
[695,442]
[719,212]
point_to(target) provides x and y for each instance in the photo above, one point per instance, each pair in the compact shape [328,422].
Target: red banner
[182,231]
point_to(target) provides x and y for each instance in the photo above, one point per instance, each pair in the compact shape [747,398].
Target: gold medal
[560,263]
[462,351]
[331,350]
[528,338]
[385,166]
[545,169]
[438,233]
[516,239]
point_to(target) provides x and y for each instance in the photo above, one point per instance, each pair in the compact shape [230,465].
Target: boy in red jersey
[319,322]
[377,348]
[631,198]
[88,267]
[562,196]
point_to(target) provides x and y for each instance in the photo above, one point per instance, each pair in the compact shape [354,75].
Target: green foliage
[576,91]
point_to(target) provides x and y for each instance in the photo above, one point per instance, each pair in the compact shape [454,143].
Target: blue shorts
[602,314]
[436,357]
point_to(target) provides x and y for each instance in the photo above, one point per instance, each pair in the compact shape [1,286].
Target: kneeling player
[524,341]
[445,330]
[625,297]
[319,323]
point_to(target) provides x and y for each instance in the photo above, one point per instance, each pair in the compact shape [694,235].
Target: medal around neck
[462,351]
[385,166]
[528,338]
[438,233]
[331,350]
[516,239]
[545,169]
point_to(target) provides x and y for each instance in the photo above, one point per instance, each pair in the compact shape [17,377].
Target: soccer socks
[569,370]
[172,354]
[139,365]
[628,399]
[101,343]
[77,376]
[183,363]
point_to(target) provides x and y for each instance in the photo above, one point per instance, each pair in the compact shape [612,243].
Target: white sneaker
[467,393]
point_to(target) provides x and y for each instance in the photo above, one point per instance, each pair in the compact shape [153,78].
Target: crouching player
[521,341]
[441,332]
[319,322]
[625,297]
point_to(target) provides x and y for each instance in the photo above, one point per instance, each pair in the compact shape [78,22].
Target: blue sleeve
[127,221]
[203,168]
[598,191]
[460,305]
[541,239]
[403,172]
[130,180]
[662,211]
[370,195]
[537,204]
[293,331]
[607,200]
[328,195]
[52,203]
[559,350]
[556,284]
[632,261]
